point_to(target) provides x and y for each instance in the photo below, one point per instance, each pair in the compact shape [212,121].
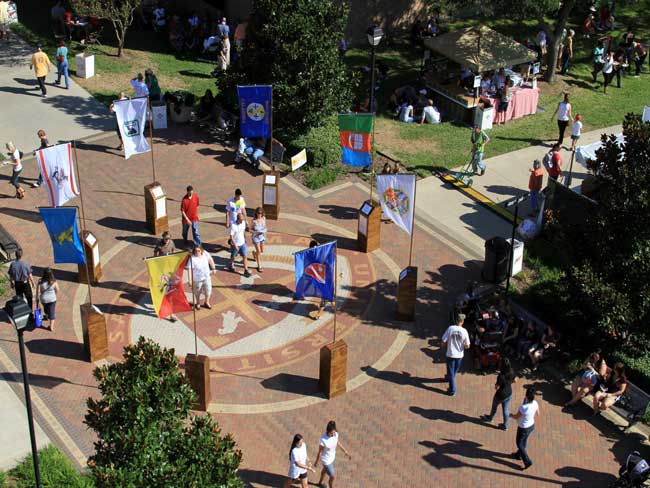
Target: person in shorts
[238,244]
[48,289]
[576,130]
[299,464]
[327,453]
[259,236]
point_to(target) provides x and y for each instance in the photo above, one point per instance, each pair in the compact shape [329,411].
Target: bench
[276,154]
[633,403]
[8,246]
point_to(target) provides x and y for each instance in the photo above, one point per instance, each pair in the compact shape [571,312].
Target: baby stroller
[634,474]
[488,349]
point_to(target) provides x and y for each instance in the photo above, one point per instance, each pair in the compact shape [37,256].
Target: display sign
[90,239]
[363,225]
[477,81]
[269,195]
[536,68]
[157,192]
[366,209]
[96,255]
[269,180]
[161,208]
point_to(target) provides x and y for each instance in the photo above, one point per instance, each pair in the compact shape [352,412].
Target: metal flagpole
[194,302]
[83,220]
[372,156]
[153,164]
[336,277]
[415,191]
[271,124]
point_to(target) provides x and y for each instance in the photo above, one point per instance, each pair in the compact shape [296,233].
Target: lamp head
[18,312]
[374,34]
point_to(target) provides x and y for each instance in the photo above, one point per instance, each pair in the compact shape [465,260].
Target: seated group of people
[605,21]
[71,26]
[410,105]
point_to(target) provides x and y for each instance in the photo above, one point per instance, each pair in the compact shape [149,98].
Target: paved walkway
[395,419]
[64,115]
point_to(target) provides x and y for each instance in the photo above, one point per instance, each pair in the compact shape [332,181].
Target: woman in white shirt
[14,154]
[202,268]
[259,235]
[563,111]
[525,417]
[608,70]
[327,452]
[298,463]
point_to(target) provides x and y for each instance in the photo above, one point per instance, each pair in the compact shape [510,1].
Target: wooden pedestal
[155,207]
[369,227]
[333,368]
[197,370]
[93,325]
[91,248]
[407,294]
[271,194]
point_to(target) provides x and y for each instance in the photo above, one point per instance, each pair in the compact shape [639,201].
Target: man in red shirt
[190,214]
[555,167]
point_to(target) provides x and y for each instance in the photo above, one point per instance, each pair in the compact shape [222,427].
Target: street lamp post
[19,313]
[511,252]
[374,34]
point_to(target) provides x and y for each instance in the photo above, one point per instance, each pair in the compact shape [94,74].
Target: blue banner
[315,272]
[61,224]
[255,110]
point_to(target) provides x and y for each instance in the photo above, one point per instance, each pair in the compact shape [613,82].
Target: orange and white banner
[57,170]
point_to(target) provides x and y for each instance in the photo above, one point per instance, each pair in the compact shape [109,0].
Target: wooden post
[155,205]
[271,194]
[197,370]
[369,227]
[333,369]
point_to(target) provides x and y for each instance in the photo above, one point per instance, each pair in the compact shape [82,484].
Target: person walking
[202,268]
[535,181]
[503,393]
[553,162]
[576,131]
[299,463]
[563,111]
[20,276]
[4,19]
[479,140]
[62,65]
[608,71]
[456,340]
[48,289]
[525,418]
[44,144]
[597,60]
[235,206]
[190,214]
[224,33]
[329,441]
[638,55]
[567,52]
[15,161]
[238,244]
[259,236]
[41,65]
[121,96]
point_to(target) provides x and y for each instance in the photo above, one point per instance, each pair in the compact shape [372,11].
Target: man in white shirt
[525,417]
[430,114]
[202,267]
[456,339]
[140,87]
[238,244]
[235,206]
[327,452]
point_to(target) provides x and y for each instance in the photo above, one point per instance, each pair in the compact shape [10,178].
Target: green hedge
[322,144]
[56,472]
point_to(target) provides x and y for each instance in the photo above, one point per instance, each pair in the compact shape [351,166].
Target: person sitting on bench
[253,148]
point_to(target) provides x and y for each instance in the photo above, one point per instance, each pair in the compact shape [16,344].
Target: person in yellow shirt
[42,66]
[4,19]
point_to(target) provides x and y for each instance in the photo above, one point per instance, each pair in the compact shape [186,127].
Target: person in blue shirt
[62,64]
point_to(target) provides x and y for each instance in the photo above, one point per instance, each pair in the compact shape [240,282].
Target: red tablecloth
[523,101]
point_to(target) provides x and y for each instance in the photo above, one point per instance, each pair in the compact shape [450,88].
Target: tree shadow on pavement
[87,112]
[261,478]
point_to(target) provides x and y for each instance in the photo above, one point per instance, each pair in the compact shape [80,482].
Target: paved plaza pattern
[396,420]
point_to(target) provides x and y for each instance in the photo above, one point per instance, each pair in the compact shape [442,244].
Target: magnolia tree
[119,12]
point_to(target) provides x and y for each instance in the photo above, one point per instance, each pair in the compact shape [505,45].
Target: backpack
[547,160]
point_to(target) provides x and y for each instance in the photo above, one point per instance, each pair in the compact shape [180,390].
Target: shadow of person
[584,477]
[404,378]
[442,452]
[449,416]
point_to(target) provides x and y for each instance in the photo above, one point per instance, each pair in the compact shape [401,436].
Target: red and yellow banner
[166,284]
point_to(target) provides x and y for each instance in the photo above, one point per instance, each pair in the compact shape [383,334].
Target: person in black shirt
[503,393]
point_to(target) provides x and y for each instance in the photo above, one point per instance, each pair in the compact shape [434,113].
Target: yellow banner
[166,284]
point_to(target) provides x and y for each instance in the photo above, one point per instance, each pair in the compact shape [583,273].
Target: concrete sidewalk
[64,115]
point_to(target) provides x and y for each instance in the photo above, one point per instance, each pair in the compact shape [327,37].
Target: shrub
[56,472]
[320,177]
[637,369]
[322,144]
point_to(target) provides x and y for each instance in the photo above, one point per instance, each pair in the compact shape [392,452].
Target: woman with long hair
[299,463]
[48,289]
[15,156]
[503,393]
[259,235]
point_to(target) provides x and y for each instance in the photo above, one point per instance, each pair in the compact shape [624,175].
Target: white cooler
[159,116]
[483,117]
[85,65]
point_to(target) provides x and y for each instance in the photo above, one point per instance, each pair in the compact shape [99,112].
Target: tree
[292,45]
[145,434]
[119,12]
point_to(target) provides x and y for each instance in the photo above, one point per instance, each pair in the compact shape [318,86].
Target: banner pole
[153,164]
[372,156]
[415,192]
[194,301]
[271,124]
[82,218]
[336,277]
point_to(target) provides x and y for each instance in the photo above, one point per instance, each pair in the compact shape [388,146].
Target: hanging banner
[57,170]
[166,284]
[61,224]
[131,119]
[396,195]
[299,160]
[355,132]
[255,112]
[315,272]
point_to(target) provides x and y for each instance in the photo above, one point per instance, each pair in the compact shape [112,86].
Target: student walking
[62,65]
[235,206]
[48,289]
[456,340]
[190,214]
[327,453]
[563,111]
[122,96]
[259,236]
[299,463]
[503,393]
[535,182]
[576,131]
[608,71]
[597,60]
[202,267]
[553,162]
[525,418]
[238,244]
[20,276]
[41,65]
[44,144]
[15,161]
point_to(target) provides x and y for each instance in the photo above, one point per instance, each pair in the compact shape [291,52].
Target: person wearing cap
[140,87]
[41,65]
[152,85]
[456,340]
[479,140]
[535,181]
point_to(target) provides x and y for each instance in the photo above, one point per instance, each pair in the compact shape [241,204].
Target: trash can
[495,266]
